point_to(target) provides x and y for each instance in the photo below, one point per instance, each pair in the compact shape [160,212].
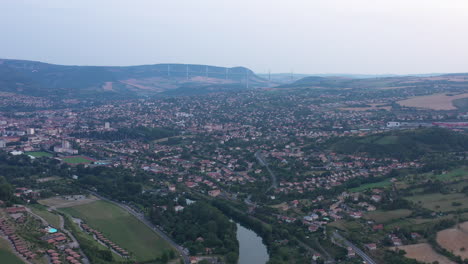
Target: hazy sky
[307,36]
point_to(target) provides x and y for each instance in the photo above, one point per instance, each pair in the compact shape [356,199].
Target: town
[314,165]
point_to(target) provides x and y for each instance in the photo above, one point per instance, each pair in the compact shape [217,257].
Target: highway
[358,251]
[182,252]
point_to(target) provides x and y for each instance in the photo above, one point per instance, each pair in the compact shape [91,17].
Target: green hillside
[402,144]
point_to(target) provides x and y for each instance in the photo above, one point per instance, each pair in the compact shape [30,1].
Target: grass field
[83,236]
[387,216]
[121,227]
[440,202]
[77,160]
[38,154]
[364,187]
[41,211]
[6,256]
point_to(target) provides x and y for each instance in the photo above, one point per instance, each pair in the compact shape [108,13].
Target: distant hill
[395,82]
[43,79]
[402,144]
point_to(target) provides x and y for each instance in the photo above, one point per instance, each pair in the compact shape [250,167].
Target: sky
[303,36]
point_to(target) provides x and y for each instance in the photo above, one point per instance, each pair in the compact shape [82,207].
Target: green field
[85,238]
[122,228]
[76,160]
[382,217]
[440,202]
[38,154]
[6,256]
[41,211]
[364,187]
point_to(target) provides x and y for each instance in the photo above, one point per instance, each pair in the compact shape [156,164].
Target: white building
[393,124]
[30,131]
[107,125]
[2,144]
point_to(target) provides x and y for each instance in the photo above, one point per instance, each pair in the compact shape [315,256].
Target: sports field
[38,154]
[121,227]
[77,160]
[6,256]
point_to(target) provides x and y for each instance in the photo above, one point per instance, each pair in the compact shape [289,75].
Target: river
[251,247]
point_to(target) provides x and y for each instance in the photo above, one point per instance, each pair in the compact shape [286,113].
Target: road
[358,251]
[142,218]
[263,162]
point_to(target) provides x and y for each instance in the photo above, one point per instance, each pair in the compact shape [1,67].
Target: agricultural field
[455,240]
[367,108]
[77,160]
[440,202]
[382,217]
[120,227]
[434,101]
[39,154]
[425,253]
[6,254]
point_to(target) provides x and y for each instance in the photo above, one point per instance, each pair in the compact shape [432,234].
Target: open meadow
[120,227]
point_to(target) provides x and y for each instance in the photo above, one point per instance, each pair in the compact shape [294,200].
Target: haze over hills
[78,82]
[456,80]
[43,79]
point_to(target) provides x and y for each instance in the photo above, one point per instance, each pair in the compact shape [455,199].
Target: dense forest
[200,227]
